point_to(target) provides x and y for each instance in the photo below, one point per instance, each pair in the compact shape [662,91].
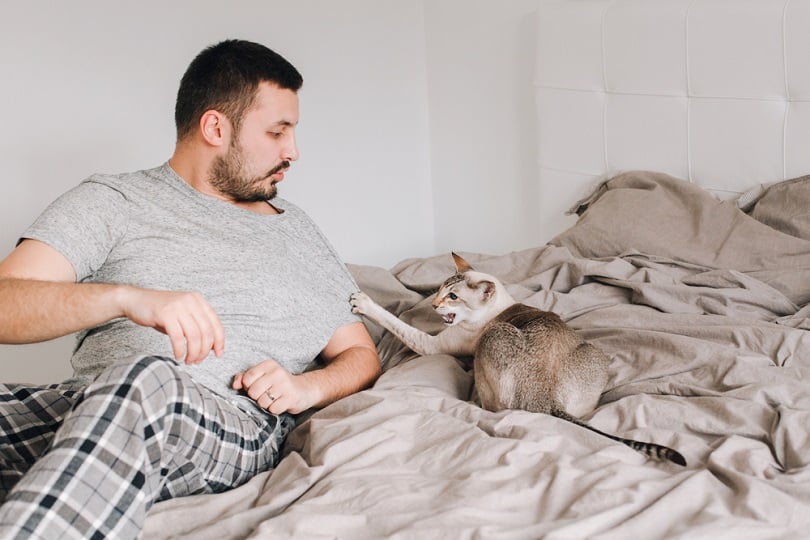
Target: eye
[452,296]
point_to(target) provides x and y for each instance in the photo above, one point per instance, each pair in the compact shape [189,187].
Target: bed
[677,136]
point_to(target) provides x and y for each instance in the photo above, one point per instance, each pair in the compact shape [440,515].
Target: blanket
[702,308]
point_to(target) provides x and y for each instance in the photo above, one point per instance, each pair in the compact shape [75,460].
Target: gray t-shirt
[275,282]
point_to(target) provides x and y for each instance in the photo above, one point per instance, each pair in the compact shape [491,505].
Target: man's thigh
[29,417]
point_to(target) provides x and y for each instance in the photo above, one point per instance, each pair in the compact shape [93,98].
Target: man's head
[241,97]
[225,77]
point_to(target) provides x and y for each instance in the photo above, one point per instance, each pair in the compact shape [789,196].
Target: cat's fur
[524,358]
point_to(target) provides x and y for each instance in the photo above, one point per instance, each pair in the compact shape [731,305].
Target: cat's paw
[361,303]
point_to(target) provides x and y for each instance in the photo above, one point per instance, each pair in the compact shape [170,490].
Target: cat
[523,357]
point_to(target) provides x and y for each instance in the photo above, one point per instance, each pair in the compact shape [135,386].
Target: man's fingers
[272,387]
[192,325]
[210,329]
[202,330]
[192,336]
[257,387]
[278,405]
[267,397]
[219,338]
[216,331]
[177,338]
[272,398]
[257,371]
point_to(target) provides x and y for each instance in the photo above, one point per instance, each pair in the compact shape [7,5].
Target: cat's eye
[452,296]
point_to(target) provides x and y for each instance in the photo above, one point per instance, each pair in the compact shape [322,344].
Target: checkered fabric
[141,432]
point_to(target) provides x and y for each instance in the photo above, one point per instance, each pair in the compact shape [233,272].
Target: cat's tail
[651,450]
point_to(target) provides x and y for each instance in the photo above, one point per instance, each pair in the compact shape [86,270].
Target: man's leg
[29,417]
[141,432]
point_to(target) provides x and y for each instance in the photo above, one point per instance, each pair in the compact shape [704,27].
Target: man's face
[262,151]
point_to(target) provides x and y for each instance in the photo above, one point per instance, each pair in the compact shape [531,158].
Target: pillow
[784,206]
[662,217]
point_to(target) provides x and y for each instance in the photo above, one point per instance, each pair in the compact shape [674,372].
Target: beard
[227,175]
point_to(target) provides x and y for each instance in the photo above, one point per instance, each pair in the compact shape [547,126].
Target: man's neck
[193,169]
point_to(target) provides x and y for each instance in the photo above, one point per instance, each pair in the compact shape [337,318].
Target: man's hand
[276,389]
[187,318]
[40,300]
[351,364]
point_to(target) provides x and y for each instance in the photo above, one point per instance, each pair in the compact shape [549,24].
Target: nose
[290,152]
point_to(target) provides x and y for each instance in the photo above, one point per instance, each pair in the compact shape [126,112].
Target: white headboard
[716,92]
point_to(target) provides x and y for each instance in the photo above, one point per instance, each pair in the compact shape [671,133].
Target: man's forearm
[33,311]
[353,370]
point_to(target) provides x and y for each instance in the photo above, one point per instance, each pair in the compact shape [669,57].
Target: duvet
[702,306]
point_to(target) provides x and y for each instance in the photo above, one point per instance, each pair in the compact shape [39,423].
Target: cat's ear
[488,291]
[461,265]
[484,287]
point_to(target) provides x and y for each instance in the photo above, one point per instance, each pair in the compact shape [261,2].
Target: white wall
[481,65]
[407,106]
[89,86]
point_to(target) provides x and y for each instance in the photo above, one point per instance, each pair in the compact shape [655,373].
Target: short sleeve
[83,225]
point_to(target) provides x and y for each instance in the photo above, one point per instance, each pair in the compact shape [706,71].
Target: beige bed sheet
[701,309]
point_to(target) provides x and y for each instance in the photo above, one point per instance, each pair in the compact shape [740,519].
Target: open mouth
[448,318]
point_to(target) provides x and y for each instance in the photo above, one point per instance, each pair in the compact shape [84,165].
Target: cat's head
[466,296]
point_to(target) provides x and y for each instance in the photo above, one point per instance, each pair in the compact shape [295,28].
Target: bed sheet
[702,309]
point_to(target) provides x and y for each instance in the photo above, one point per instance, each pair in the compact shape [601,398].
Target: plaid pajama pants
[89,462]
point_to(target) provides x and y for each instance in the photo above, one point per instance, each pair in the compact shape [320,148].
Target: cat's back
[521,316]
[529,359]
[525,336]
[535,324]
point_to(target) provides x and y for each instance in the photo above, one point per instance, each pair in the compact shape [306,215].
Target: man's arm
[40,300]
[352,364]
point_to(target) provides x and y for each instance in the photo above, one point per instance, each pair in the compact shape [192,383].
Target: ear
[214,127]
[461,264]
[489,290]
[485,287]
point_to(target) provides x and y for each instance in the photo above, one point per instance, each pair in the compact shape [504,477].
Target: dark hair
[225,77]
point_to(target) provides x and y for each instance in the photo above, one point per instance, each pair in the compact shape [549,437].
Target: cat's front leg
[418,341]
[362,304]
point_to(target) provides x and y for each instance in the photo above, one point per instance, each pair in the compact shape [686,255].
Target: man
[200,302]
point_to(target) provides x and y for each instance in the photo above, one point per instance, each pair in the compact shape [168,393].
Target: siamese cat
[523,357]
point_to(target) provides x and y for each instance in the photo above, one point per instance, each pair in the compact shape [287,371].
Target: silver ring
[269,395]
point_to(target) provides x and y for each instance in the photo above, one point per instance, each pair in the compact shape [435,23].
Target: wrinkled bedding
[702,308]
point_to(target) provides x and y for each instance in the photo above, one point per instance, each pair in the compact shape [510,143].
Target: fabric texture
[149,426]
[705,358]
[654,213]
[90,463]
[277,285]
[784,206]
[29,419]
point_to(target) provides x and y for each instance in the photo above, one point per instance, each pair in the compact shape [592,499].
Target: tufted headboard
[716,92]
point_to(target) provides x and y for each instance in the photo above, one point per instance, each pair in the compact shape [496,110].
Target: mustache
[283,166]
